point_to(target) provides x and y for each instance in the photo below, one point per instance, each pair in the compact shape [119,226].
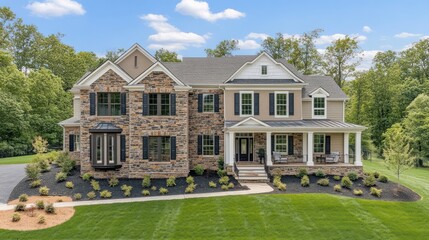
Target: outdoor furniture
[278,158]
[333,157]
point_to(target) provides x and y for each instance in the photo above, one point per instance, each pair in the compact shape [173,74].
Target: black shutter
[91,103]
[145,147]
[272,144]
[291,104]
[173,104]
[200,145]
[272,104]
[173,148]
[123,103]
[256,103]
[123,148]
[328,145]
[216,102]
[236,103]
[71,143]
[90,147]
[145,104]
[216,145]
[290,145]
[200,102]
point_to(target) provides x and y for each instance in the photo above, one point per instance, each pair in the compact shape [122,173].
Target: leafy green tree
[415,61]
[164,55]
[310,57]
[7,18]
[223,49]
[281,47]
[112,55]
[385,60]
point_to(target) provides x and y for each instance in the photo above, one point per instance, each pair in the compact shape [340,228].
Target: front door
[245,146]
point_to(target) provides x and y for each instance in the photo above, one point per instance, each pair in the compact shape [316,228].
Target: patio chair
[278,158]
[333,157]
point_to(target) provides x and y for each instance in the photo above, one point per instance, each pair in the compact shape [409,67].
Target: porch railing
[317,159]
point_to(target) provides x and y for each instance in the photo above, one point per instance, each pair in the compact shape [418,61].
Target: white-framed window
[281,104]
[246,103]
[208,102]
[319,106]
[280,143]
[208,145]
[319,143]
[77,143]
[264,70]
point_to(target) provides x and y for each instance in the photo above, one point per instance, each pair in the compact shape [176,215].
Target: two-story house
[138,116]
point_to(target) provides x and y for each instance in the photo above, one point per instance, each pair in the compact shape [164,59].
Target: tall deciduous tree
[223,49]
[164,55]
[310,57]
[282,47]
[415,60]
[112,55]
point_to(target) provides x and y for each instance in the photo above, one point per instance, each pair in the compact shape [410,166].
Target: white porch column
[310,149]
[268,147]
[346,147]
[231,149]
[304,147]
[358,151]
[226,148]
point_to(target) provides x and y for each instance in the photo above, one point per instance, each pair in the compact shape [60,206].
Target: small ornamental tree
[40,145]
[398,155]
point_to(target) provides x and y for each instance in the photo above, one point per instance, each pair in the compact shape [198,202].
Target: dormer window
[264,69]
[318,103]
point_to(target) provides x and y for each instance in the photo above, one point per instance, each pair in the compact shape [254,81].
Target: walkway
[10,176]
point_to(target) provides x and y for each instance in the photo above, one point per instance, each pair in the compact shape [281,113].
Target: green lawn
[16,160]
[280,216]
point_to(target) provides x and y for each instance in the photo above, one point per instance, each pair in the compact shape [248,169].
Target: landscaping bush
[44,191]
[190,188]
[33,171]
[69,184]
[146,181]
[224,180]
[319,173]
[346,182]
[281,186]
[95,185]
[41,220]
[277,180]
[42,161]
[220,163]
[20,207]
[49,208]
[212,184]
[171,182]
[383,179]
[62,157]
[305,181]
[221,172]
[190,180]
[337,188]
[199,170]
[376,174]
[357,192]
[163,191]
[61,177]
[224,187]
[369,181]
[40,204]
[16,217]
[276,172]
[302,172]
[113,182]
[127,190]
[105,194]
[323,182]
[23,197]
[68,166]
[353,176]
[87,176]
[375,192]
[231,185]
[36,183]
[91,195]
[52,156]
[153,188]
[77,196]
[145,193]
[337,178]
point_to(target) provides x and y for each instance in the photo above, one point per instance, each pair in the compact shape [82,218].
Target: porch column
[310,149]
[304,147]
[226,148]
[358,151]
[231,149]
[268,147]
[346,147]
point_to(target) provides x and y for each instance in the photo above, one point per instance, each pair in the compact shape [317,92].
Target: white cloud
[424,37]
[261,36]
[328,39]
[366,29]
[56,8]
[201,9]
[170,37]
[366,59]
[248,44]
[407,35]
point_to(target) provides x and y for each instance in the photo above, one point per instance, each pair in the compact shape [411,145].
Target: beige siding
[335,110]
[306,110]
[128,66]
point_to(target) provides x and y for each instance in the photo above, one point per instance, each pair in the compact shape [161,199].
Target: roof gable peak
[134,47]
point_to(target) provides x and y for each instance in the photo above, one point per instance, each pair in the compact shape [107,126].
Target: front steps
[252,173]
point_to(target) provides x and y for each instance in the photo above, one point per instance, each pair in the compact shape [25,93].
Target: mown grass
[16,160]
[266,216]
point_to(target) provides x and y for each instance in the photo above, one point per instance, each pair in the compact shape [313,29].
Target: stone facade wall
[67,131]
[327,169]
[205,124]
[260,142]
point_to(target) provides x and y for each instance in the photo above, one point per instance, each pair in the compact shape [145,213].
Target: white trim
[158,66]
[182,88]
[138,87]
[100,71]
[328,99]
[256,129]
[312,107]
[202,145]
[252,105]
[134,47]
[287,104]
[248,119]
[297,79]
[319,91]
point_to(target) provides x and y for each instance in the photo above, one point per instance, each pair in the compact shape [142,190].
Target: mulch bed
[389,189]
[83,187]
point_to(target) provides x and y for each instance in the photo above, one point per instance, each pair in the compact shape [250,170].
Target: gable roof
[158,66]
[327,83]
[89,78]
[318,91]
[134,47]
[250,122]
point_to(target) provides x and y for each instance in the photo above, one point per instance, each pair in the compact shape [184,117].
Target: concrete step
[253,179]
[251,168]
[251,171]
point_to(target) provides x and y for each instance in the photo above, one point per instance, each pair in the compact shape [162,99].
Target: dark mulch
[389,189]
[82,187]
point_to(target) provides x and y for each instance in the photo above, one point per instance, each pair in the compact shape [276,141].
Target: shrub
[224,187]
[52,156]
[146,181]
[105,194]
[231,185]
[49,208]
[60,177]
[171,182]
[212,184]
[40,145]
[40,204]
[20,207]
[77,196]
[68,166]
[302,172]
[163,191]
[69,184]
[277,172]
[113,182]
[42,162]
[221,172]
[95,185]
[323,182]
[376,174]
[87,176]
[62,157]
[41,220]
[44,191]
[346,182]
[199,170]
[375,192]
[337,188]
[190,188]
[319,173]
[36,183]
[369,181]
[23,197]
[224,180]
[277,180]
[337,178]
[145,193]
[281,186]
[383,179]
[16,217]
[127,190]
[357,192]
[33,171]
[91,195]
[352,176]
[153,188]
[190,180]
[305,181]
[220,163]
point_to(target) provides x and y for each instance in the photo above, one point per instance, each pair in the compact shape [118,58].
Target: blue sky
[190,26]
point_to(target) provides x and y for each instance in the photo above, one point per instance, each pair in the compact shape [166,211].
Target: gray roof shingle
[307,123]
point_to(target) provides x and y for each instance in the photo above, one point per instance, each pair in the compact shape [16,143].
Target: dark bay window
[159,149]
[109,104]
[159,104]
